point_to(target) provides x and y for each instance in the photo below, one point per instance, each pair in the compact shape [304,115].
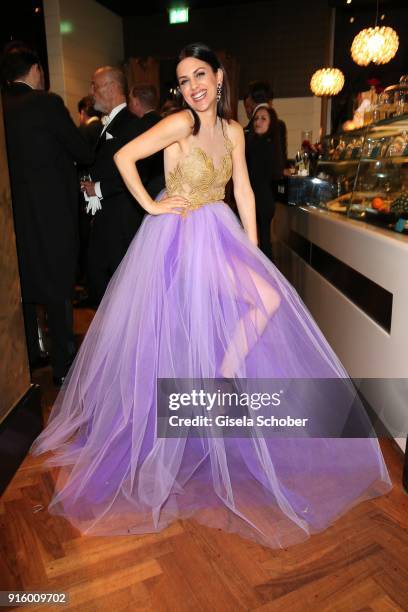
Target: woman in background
[265,166]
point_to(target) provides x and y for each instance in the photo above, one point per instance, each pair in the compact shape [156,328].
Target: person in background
[260,94]
[143,103]
[169,107]
[43,145]
[265,166]
[116,215]
[143,100]
[90,124]
[249,106]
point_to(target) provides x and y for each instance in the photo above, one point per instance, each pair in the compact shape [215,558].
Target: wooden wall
[14,371]
[140,70]
[283,42]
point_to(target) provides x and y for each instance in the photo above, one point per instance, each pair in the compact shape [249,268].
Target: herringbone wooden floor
[358,564]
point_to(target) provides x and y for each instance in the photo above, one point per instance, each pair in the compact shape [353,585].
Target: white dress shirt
[106,121]
[108,118]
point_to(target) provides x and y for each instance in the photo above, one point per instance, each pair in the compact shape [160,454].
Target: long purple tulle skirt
[194,298]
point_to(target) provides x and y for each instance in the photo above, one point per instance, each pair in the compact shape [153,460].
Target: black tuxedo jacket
[91,131]
[120,212]
[151,169]
[43,145]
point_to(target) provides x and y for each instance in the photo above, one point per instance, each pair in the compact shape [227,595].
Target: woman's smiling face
[198,83]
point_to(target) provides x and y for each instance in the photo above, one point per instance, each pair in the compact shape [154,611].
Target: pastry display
[381,204]
[335,206]
[339,204]
[397,146]
[370,168]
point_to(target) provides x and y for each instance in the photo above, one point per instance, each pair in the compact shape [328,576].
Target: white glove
[93,205]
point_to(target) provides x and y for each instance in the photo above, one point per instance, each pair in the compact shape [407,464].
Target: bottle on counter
[299,166]
[381,108]
[302,163]
[372,107]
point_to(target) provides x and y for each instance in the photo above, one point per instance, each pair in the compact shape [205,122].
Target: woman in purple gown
[195,298]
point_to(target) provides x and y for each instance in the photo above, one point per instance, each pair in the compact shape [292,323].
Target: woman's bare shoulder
[181,123]
[235,132]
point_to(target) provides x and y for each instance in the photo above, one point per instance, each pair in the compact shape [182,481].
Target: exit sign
[178,15]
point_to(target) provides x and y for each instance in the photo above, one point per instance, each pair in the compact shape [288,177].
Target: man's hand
[88,187]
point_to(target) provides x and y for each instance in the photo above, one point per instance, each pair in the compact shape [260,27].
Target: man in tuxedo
[116,214]
[90,126]
[143,103]
[43,145]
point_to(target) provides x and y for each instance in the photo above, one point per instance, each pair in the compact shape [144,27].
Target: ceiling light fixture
[327,82]
[378,45]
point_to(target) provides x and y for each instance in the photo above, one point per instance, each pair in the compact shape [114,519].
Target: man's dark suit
[43,143]
[151,169]
[91,130]
[114,227]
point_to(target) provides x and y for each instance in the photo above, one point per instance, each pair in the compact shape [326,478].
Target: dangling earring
[219,91]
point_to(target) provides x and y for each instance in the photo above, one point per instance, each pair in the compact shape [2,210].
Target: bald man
[115,223]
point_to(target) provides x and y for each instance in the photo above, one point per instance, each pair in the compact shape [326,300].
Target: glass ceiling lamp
[327,82]
[378,45]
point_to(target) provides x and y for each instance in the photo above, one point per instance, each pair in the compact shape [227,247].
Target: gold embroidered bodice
[198,179]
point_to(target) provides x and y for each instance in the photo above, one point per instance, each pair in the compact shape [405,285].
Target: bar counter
[353,277]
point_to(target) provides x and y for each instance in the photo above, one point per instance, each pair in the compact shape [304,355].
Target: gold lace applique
[198,180]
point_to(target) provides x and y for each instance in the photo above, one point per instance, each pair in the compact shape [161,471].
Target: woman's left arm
[244,196]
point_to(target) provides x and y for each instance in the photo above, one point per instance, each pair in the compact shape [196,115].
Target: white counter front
[353,277]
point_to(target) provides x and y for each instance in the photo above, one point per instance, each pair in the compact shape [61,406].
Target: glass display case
[364,174]
[393,100]
[336,171]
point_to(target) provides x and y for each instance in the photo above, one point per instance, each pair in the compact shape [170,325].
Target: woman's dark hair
[273,133]
[271,141]
[205,54]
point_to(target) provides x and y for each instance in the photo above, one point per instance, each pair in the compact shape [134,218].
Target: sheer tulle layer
[194,298]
